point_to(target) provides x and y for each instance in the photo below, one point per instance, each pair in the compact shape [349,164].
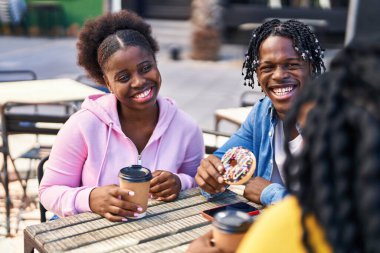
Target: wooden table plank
[60,223]
[90,232]
[120,228]
[178,249]
[144,235]
[60,233]
[168,242]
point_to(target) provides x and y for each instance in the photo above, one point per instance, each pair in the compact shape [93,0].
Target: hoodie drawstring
[105,153]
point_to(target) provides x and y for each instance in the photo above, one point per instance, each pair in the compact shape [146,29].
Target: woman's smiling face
[281,72]
[132,75]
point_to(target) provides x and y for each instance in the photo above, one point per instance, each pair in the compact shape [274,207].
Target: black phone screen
[240,206]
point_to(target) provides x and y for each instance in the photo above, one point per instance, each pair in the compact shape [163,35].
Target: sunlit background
[202,45]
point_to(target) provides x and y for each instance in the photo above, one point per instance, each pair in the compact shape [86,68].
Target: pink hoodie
[91,148]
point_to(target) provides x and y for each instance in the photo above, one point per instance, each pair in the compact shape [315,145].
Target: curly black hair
[304,40]
[103,36]
[336,177]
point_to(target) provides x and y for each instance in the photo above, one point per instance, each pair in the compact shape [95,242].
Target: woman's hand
[203,244]
[165,185]
[108,202]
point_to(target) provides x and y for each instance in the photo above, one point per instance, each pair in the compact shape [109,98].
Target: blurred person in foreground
[284,55]
[131,125]
[335,180]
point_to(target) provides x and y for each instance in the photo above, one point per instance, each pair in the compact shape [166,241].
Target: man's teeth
[143,94]
[283,91]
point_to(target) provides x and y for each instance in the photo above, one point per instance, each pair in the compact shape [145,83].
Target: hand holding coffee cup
[107,202]
[137,179]
[229,228]
[165,185]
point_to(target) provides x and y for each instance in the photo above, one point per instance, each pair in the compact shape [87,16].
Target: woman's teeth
[143,94]
[282,91]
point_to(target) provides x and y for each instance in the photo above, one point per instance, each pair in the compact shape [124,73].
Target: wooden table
[168,227]
[235,115]
[40,91]
[45,91]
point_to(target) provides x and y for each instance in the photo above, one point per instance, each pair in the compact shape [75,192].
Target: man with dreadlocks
[334,181]
[283,55]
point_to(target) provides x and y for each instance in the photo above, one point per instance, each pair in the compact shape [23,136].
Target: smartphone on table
[239,206]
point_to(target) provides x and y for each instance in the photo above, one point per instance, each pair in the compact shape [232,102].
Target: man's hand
[165,185]
[208,175]
[254,188]
[203,245]
[108,202]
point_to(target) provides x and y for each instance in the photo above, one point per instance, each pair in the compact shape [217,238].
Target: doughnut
[239,164]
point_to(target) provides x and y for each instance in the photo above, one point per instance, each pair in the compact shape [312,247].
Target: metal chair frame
[211,148]
[31,75]
[25,123]
[40,173]
[85,79]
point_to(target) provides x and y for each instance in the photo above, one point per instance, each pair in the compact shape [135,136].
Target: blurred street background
[202,46]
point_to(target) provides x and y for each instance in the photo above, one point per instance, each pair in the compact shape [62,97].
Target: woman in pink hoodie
[132,125]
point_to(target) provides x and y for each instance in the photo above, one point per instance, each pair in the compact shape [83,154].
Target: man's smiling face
[281,72]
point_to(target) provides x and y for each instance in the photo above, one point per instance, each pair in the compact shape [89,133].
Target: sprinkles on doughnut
[239,164]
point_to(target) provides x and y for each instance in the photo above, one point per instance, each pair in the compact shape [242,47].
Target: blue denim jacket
[256,134]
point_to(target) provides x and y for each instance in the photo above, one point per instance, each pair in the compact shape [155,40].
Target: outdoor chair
[248,98]
[85,79]
[40,173]
[16,121]
[237,115]
[214,140]
[17,75]
[233,115]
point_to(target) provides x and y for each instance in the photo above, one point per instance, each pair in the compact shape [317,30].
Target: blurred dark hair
[336,177]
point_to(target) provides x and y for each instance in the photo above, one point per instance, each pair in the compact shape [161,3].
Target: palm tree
[206,25]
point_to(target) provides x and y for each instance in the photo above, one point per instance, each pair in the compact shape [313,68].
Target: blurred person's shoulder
[279,229]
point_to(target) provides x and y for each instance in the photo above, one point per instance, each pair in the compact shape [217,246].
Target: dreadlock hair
[304,40]
[101,37]
[336,176]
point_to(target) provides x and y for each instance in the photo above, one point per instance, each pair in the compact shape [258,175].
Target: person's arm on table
[61,190]
[262,191]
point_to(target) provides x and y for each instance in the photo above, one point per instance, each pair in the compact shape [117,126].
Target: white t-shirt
[279,152]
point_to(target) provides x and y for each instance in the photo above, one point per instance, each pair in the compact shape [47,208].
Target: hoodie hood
[90,149]
[104,107]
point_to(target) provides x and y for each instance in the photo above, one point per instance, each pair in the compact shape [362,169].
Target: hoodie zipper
[139,162]
[139,159]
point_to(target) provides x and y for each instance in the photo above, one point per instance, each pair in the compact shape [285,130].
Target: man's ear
[311,73]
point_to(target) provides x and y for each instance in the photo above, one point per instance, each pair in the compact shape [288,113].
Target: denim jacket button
[270,134]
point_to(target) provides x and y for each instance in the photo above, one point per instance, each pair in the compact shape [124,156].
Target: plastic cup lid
[135,173]
[232,221]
